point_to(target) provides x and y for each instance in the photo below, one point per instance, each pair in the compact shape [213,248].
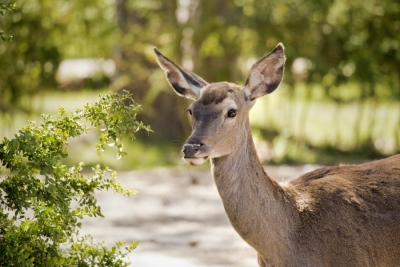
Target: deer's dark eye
[232,113]
[190,112]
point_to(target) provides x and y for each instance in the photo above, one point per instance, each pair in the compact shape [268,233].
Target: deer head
[220,110]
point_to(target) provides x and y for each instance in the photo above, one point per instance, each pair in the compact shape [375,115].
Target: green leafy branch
[42,200]
[6,7]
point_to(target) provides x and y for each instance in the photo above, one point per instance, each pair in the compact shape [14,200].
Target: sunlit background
[339,101]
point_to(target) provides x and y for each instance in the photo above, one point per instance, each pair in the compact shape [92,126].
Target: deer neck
[259,209]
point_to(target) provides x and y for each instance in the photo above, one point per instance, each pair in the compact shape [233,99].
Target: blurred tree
[340,41]
[23,60]
[6,7]
[145,24]
[45,32]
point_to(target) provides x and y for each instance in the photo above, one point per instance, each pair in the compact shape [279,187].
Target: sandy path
[178,218]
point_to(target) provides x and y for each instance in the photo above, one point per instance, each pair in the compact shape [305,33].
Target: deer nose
[190,150]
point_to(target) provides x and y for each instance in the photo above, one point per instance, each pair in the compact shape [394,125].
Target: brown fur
[335,216]
[214,94]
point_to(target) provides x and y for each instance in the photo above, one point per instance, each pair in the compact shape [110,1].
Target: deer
[345,215]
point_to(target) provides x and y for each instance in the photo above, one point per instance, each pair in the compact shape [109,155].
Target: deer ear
[185,83]
[266,74]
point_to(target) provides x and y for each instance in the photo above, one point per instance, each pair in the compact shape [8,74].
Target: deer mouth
[194,153]
[195,161]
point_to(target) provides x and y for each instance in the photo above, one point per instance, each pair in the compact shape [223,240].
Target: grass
[308,130]
[141,155]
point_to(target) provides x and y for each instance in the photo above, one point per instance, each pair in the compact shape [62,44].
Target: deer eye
[232,113]
[190,112]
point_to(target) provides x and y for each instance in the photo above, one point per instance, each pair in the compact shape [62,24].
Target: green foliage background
[348,53]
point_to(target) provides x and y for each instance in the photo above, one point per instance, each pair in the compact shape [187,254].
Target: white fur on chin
[195,161]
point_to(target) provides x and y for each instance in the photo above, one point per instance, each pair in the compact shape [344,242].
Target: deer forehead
[219,93]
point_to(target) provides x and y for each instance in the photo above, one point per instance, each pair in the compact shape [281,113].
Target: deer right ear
[266,74]
[185,83]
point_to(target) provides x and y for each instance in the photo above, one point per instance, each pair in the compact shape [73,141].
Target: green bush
[43,201]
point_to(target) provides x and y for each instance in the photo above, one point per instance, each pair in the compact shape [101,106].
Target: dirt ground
[178,218]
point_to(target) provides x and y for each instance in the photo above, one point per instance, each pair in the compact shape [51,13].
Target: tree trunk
[134,68]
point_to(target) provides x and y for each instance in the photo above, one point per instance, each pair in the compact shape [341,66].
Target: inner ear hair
[266,74]
[185,83]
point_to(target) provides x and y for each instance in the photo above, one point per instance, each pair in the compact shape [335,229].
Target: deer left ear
[185,83]
[266,74]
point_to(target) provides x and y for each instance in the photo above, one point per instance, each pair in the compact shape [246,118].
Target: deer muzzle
[191,154]
[190,150]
